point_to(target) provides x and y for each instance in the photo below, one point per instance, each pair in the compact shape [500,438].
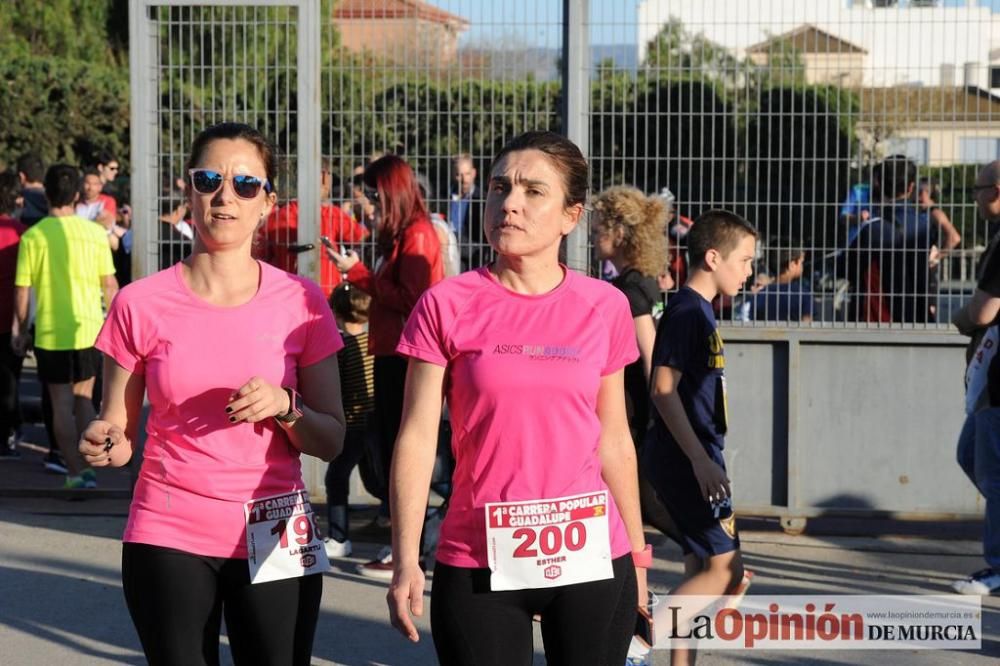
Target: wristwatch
[294,412]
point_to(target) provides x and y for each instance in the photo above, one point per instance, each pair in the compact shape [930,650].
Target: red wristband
[643,559]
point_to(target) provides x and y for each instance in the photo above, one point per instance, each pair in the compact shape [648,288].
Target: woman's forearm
[410,479]
[621,473]
[317,434]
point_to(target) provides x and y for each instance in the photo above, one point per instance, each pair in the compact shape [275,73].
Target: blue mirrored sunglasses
[206,181]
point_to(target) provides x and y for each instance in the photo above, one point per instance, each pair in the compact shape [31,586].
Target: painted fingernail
[232,419]
[229,410]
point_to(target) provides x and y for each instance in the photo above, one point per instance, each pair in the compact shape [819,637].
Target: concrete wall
[829,421]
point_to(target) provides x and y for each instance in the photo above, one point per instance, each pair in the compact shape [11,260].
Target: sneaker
[379,568]
[336,549]
[74,483]
[9,450]
[983,582]
[738,591]
[89,477]
[53,462]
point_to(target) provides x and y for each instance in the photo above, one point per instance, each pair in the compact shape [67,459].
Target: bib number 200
[535,544]
[551,539]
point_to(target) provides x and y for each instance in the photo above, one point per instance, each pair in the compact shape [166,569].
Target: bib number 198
[301,526]
[282,538]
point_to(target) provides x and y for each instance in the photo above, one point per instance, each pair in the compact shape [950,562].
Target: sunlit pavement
[61,601]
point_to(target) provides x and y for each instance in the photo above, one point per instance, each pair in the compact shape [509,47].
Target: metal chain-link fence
[781,110]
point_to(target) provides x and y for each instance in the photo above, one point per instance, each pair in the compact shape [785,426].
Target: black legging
[585,623]
[387,413]
[177,600]
[338,474]
[10,375]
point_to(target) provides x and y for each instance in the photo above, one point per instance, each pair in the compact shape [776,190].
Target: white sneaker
[335,549]
[983,582]
[738,591]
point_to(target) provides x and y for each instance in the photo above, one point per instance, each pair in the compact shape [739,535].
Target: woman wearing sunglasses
[409,263]
[238,360]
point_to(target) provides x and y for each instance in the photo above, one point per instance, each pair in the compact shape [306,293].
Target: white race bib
[977,372]
[282,539]
[547,543]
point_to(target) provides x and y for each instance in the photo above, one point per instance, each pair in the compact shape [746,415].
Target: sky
[538,22]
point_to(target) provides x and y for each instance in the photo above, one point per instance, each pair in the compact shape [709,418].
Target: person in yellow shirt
[66,261]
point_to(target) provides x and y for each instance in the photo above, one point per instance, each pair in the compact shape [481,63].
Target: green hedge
[63,108]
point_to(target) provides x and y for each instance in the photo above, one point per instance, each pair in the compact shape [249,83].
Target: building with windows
[400,31]
[938,126]
[907,43]
[927,73]
[825,58]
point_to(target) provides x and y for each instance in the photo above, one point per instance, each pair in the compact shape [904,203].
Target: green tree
[799,156]
[72,29]
[674,53]
[65,79]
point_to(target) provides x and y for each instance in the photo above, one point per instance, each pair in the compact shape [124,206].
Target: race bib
[977,372]
[282,539]
[546,543]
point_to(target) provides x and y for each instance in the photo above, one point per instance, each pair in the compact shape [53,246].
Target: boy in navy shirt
[684,455]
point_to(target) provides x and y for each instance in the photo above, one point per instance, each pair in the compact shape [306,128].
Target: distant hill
[541,63]
[626,56]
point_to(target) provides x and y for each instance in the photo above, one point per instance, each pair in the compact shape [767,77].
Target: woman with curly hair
[627,228]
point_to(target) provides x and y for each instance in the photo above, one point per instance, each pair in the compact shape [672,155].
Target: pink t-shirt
[523,373]
[198,468]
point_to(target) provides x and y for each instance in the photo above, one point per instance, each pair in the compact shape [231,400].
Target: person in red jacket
[280,244]
[409,262]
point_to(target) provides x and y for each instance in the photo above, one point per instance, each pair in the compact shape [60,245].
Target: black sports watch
[294,412]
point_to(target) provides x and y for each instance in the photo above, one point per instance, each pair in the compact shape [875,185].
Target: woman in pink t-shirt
[544,513]
[238,359]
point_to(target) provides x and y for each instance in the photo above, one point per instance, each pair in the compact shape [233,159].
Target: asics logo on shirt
[539,352]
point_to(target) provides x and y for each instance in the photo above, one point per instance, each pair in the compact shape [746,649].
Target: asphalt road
[61,600]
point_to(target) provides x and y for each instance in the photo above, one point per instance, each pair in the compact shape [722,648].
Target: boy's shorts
[705,531]
[68,366]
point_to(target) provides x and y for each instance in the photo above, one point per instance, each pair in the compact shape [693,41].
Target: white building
[902,45]
[928,77]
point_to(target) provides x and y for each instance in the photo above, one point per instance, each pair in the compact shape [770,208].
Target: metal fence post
[308,174]
[308,146]
[576,109]
[143,136]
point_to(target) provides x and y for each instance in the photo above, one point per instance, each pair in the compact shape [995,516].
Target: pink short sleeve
[622,345]
[423,337]
[120,336]
[322,338]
